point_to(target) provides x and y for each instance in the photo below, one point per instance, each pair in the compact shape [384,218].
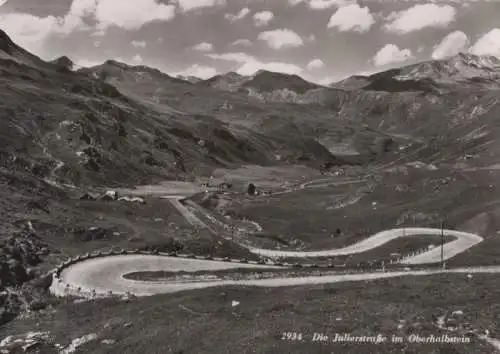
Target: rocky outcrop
[19,256]
[63,63]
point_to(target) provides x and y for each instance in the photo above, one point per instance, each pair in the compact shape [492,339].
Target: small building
[251,189]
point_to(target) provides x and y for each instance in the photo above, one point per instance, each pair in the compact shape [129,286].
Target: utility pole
[442,244]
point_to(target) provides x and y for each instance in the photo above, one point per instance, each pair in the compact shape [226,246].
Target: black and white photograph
[249,176]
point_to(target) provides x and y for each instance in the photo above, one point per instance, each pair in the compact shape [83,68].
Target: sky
[321,40]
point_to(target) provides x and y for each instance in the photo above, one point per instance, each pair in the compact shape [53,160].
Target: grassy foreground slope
[207,322]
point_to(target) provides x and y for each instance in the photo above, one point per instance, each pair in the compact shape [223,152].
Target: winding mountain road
[107,274]
[463,241]
[104,274]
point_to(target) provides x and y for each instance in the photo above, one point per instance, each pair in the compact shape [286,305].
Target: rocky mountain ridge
[462,71]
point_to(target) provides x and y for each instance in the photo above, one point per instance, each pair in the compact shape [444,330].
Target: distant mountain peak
[262,82]
[114,70]
[230,75]
[230,81]
[485,61]
[267,73]
[460,70]
[460,67]
[475,57]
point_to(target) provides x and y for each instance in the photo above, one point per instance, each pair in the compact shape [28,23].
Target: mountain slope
[351,83]
[247,112]
[359,118]
[11,52]
[72,127]
[78,128]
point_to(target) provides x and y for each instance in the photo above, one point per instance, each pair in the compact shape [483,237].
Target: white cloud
[28,31]
[137,58]
[99,32]
[242,42]
[322,4]
[127,15]
[325,81]
[82,8]
[419,17]
[239,57]
[204,47]
[281,38]
[139,44]
[240,15]
[391,54]
[78,11]
[315,64]
[248,65]
[263,18]
[352,18]
[325,4]
[188,5]
[452,44]
[32,32]
[488,44]
[199,71]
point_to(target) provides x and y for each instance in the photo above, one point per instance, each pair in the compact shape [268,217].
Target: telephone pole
[442,244]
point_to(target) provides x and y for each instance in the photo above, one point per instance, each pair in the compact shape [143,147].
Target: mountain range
[100,121]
